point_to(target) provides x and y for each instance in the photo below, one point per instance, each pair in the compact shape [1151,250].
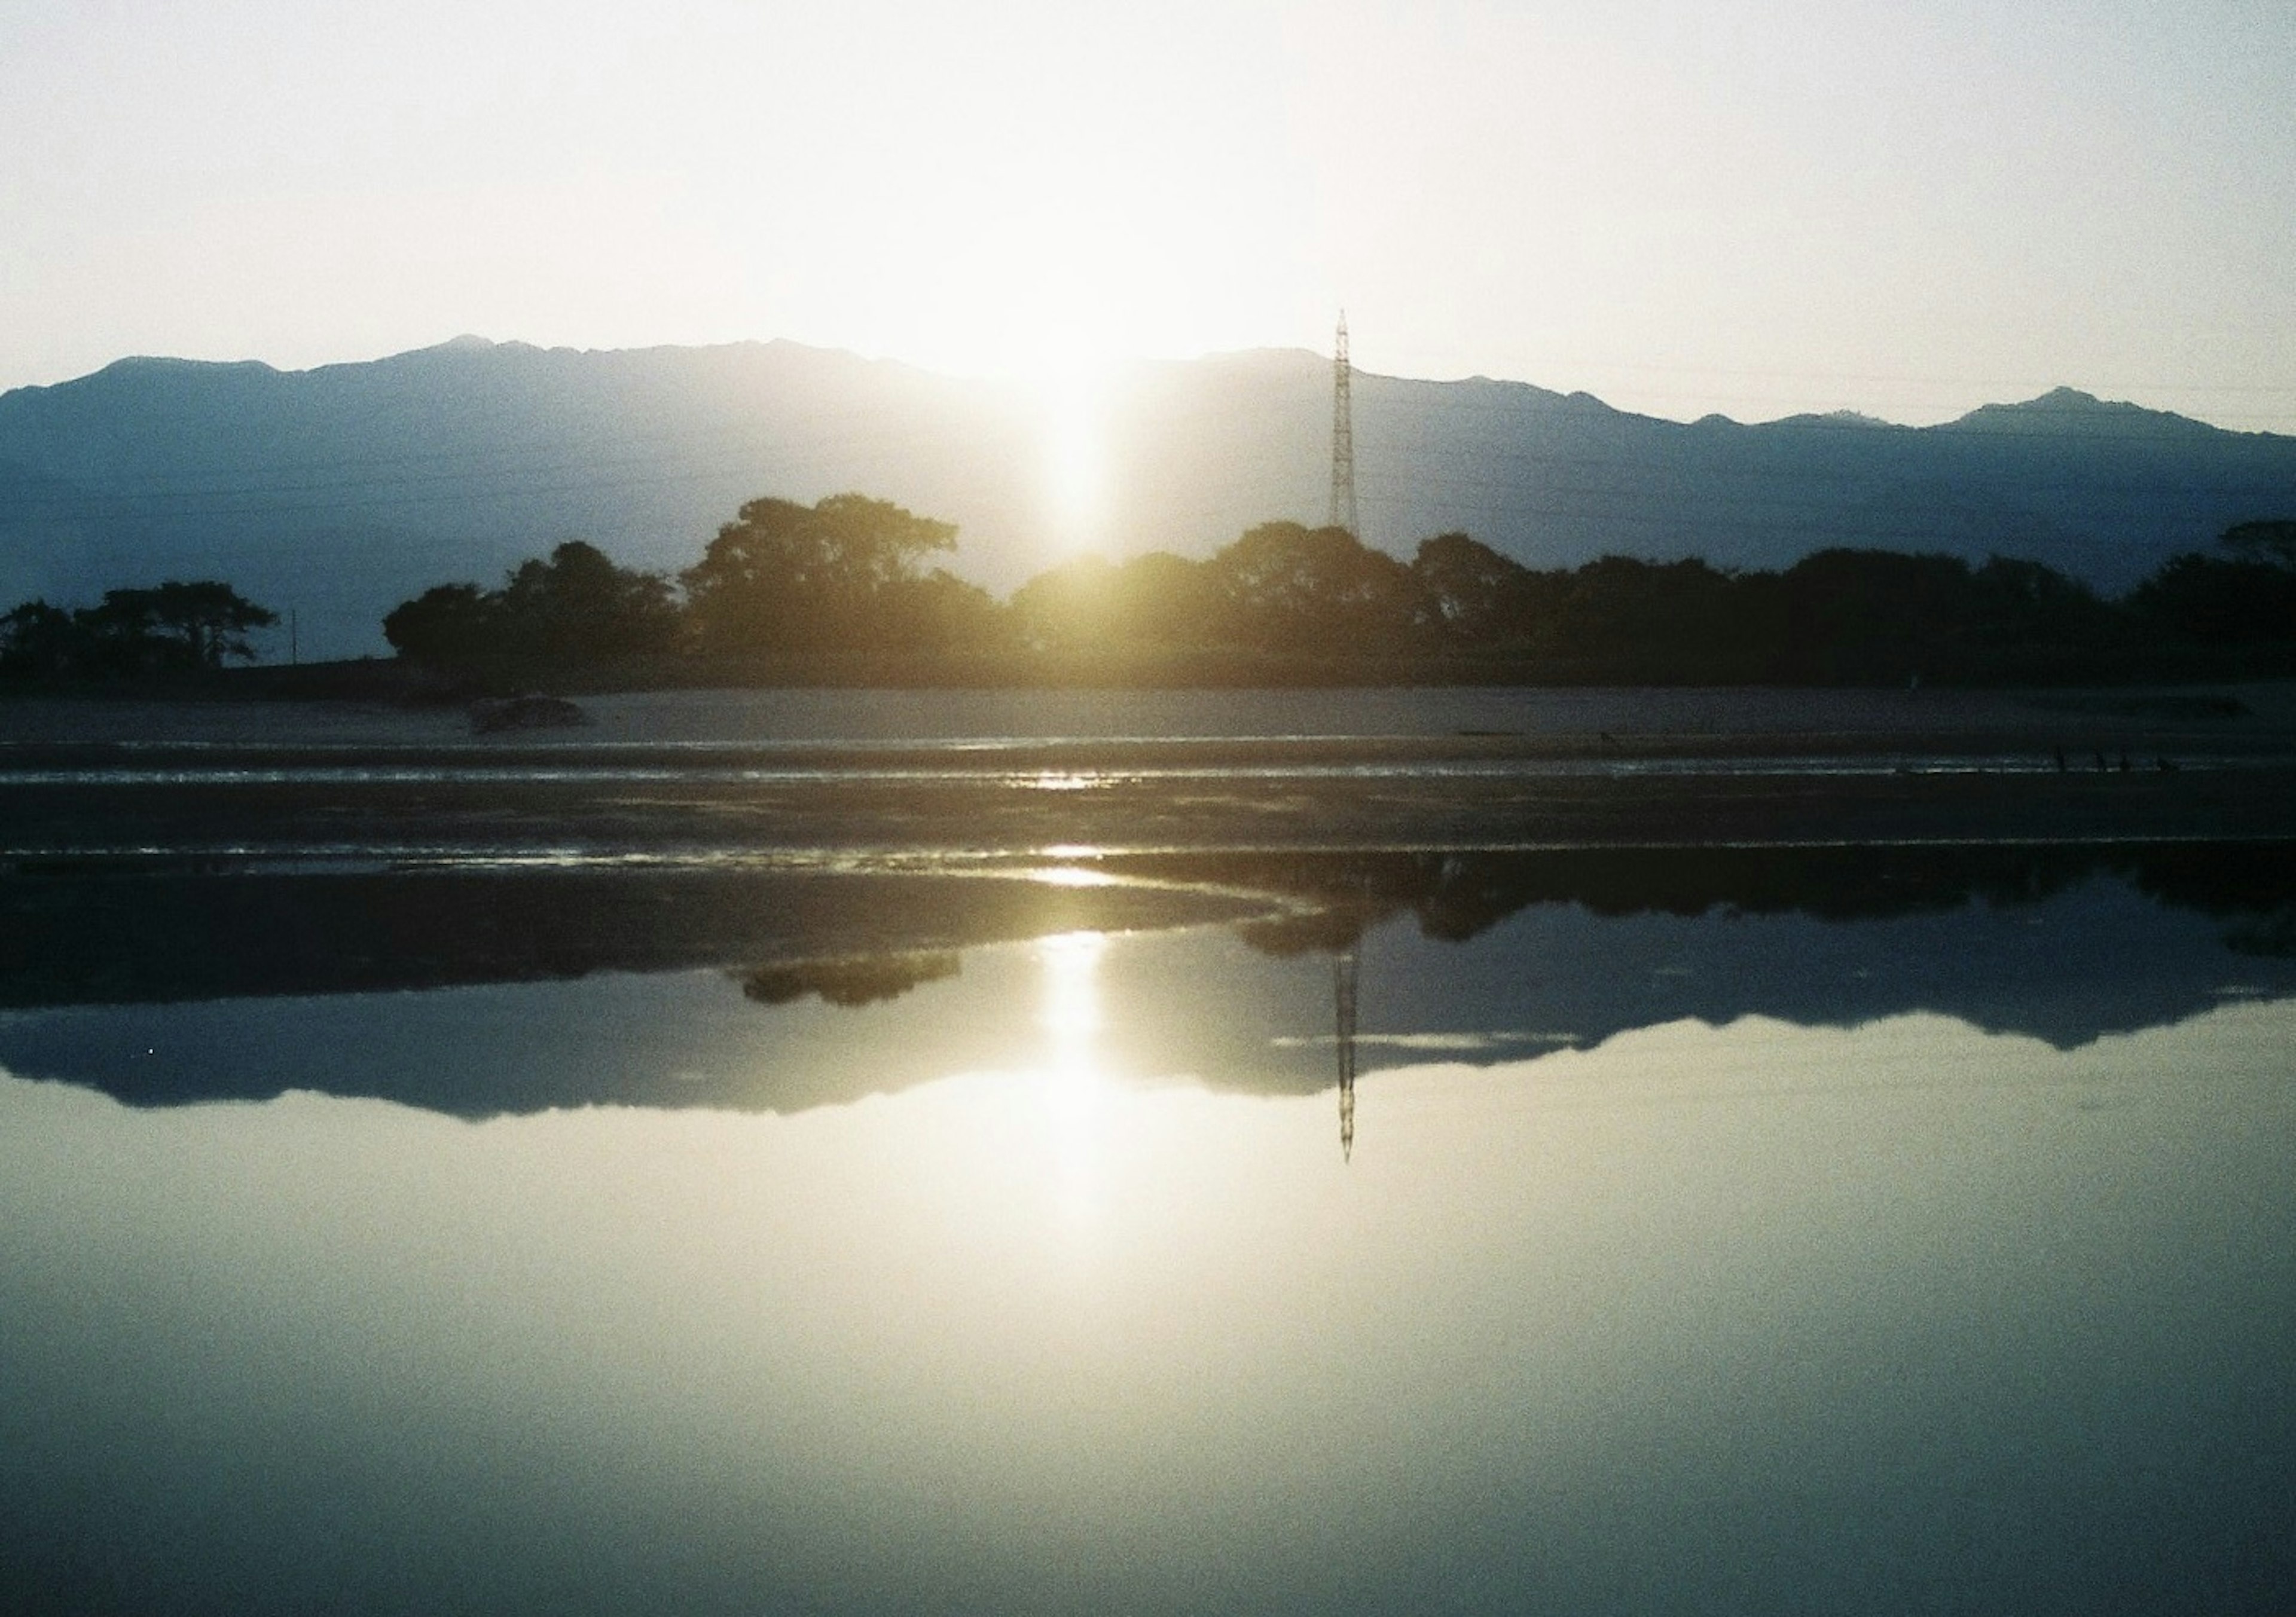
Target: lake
[1689,1230]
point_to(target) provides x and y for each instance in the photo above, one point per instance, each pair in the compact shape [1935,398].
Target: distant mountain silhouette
[2068,412]
[339,492]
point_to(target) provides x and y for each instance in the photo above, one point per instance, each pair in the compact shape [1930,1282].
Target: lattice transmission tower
[1343,436]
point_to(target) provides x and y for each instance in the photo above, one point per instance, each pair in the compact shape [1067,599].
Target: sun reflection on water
[1073,876]
[1075,1088]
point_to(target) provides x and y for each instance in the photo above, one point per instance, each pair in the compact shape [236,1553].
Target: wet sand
[1792,719]
[702,776]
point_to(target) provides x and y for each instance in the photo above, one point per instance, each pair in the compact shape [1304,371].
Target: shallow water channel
[1824,1231]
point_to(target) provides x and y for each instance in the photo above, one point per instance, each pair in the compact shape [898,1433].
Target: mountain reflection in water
[1904,1230]
[1757,1319]
[779,988]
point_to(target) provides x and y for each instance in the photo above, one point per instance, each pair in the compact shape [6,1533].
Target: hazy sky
[1906,208]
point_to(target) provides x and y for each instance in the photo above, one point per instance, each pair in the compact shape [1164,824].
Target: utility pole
[1343,438]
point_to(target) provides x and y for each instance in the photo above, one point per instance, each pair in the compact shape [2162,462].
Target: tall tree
[39,640]
[2211,600]
[1155,599]
[448,622]
[1285,587]
[175,625]
[1470,593]
[574,606]
[210,619]
[784,576]
[172,627]
[577,604]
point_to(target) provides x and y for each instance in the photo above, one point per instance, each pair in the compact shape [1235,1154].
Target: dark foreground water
[1827,1232]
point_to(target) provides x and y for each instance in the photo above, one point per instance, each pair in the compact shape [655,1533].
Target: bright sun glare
[1075,435]
[1075,1090]
[1043,337]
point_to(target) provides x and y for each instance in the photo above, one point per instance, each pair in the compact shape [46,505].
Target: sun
[1074,434]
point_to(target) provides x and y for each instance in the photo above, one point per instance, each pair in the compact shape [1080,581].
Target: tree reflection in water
[169,985]
[850,981]
[1345,968]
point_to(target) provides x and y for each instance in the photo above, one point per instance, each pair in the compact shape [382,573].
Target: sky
[1682,206]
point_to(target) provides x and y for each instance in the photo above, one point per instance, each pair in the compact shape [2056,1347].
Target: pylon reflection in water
[1343,1011]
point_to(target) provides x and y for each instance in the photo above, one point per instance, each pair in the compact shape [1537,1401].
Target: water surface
[1747,1240]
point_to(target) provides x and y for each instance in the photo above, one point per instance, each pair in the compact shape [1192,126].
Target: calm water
[1734,1235]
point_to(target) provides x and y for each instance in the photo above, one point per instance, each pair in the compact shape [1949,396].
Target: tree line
[174,628]
[845,587]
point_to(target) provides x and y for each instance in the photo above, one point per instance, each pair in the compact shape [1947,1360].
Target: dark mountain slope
[339,491]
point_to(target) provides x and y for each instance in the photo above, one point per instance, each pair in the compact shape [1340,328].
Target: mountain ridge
[340,489]
[2057,404]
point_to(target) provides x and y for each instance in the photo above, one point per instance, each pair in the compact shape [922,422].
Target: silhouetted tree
[1155,599]
[789,577]
[38,641]
[1471,594]
[1070,606]
[208,619]
[576,605]
[2269,544]
[938,612]
[2027,621]
[2212,601]
[448,622]
[1858,616]
[173,627]
[1282,587]
[1620,617]
[580,604]
[846,575]
[2273,541]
